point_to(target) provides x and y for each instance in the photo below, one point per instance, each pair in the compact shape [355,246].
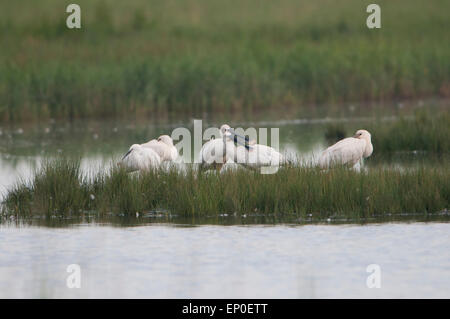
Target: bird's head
[362,134]
[166,139]
[225,130]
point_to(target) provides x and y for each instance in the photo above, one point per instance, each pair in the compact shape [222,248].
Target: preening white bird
[257,155]
[164,147]
[140,158]
[218,151]
[350,150]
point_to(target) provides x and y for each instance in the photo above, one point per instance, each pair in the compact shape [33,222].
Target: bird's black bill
[126,155]
[241,140]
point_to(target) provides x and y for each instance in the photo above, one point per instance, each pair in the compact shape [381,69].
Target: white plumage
[140,158]
[164,147]
[349,151]
[218,151]
[222,150]
[258,155]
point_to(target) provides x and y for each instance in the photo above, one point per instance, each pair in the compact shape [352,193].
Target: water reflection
[166,217]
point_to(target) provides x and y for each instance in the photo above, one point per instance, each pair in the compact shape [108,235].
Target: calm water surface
[158,261]
[165,260]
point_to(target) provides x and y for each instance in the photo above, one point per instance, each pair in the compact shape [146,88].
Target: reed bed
[59,188]
[151,58]
[426,132]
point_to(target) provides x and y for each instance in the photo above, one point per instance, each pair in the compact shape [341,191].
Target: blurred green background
[147,59]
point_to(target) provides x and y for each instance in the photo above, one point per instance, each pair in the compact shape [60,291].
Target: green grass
[424,132]
[60,189]
[152,58]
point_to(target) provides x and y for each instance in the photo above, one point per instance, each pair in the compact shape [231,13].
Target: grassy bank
[60,189]
[143,58]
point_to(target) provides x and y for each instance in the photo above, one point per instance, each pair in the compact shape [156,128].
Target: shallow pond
[159,261]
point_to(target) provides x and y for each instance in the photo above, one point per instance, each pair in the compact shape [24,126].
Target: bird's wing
[159,147]
[150,143]
[174,153]
[348,150]
[212,151]
[241,155]
[149,158]
[129,161]
[266,155]
[258,155]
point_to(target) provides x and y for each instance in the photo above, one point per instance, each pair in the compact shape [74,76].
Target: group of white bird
[149,155]
[232,149]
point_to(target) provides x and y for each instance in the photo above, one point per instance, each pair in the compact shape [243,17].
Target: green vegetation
[424,132]
[335,132]
[141,58]
[60,189]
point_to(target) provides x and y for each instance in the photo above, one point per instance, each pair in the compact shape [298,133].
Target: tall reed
[150,57]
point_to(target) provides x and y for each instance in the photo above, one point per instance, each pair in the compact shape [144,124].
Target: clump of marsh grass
[303,192]
[57,187]
[425,132]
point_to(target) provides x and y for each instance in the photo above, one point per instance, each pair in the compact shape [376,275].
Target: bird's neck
[369,148]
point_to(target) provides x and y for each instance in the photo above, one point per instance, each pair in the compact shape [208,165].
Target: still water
[157,256]
[159,261]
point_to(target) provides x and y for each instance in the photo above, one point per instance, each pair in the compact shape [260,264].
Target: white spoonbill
[350,150]
[219,151]
[140,158]
[164,147]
